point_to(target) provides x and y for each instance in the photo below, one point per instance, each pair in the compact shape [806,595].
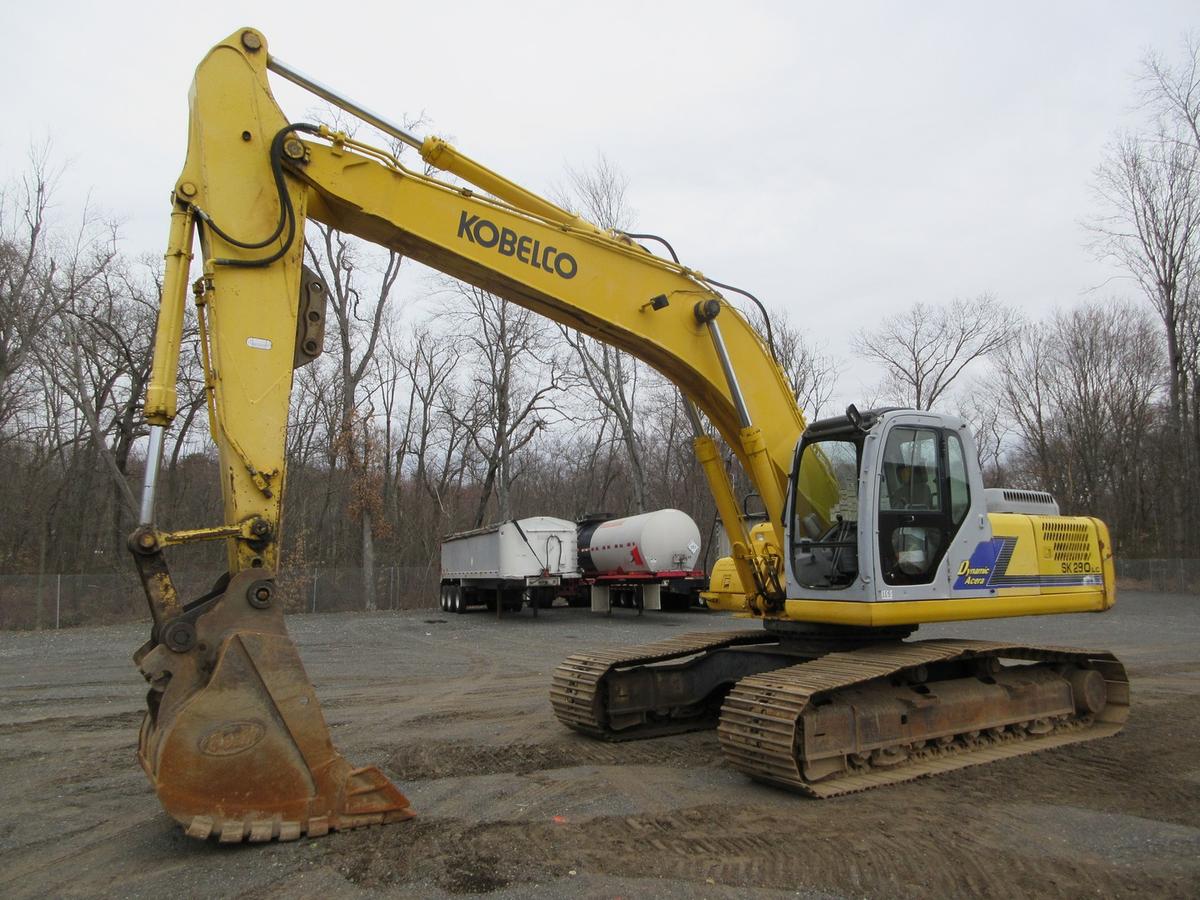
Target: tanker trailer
[648,561]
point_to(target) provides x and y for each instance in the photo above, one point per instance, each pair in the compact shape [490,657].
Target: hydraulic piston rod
[751,434]
[434,150]
[150,481]
[707,312]
[294,75]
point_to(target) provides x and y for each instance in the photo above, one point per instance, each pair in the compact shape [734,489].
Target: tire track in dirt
[859,851]
[75,849]
[1147,770]
[447,717]
[432,759]
[953,835]
[73,723]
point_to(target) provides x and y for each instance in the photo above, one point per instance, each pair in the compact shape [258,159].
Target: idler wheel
[1089,691]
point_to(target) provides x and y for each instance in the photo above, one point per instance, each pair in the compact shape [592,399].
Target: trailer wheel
[456,599]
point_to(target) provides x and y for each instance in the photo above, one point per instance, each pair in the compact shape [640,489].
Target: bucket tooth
[200,827]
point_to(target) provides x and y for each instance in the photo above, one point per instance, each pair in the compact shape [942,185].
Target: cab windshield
[825,513]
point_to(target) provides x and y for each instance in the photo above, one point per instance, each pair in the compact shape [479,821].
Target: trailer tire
[456,599]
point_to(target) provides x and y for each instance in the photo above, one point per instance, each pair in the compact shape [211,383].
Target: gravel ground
[511,804]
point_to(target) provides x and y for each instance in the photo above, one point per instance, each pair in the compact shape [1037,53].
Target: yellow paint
[161,397]
[915,612]
[725,587]
[1056,546]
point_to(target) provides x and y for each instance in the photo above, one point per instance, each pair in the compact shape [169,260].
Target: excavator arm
[251,175]
[234,740]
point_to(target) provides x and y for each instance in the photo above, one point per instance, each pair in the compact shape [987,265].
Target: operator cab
[877,498]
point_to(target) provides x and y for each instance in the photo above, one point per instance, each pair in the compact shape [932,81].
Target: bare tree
[358,314]
[600,192]
[421,446]
[34,288]
[1173,92]
[1026,396]
[1151,227]
[1082,393]
[984,412]
[429,361]
[1148,185]
[924,349]
[611,375]
[387,385]
[812,374]
[515,383]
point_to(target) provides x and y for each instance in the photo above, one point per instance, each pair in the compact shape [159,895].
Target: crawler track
[577,692]
[763,724]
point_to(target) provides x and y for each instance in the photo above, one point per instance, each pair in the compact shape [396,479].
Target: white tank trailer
[648,561]
[503,566]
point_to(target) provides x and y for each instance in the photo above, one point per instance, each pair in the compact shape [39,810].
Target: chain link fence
[69,600]
[1176,576]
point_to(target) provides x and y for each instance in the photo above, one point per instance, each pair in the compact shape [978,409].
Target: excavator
[877,520]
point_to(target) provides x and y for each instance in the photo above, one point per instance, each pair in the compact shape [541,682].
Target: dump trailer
[507,565]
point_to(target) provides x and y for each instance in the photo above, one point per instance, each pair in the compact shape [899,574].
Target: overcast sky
[838,160]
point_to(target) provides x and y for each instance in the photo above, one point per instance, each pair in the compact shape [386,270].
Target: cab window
[914,525]
[825,514]
[910,470]
[960,486]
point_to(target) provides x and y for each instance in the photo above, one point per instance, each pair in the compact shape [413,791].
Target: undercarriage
[827,713]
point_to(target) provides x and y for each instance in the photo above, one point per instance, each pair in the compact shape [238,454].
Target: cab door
[923,498]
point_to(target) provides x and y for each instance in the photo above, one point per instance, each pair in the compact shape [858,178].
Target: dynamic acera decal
[507,242]
[988,568]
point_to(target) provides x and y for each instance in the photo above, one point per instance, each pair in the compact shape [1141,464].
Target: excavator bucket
[234,741]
